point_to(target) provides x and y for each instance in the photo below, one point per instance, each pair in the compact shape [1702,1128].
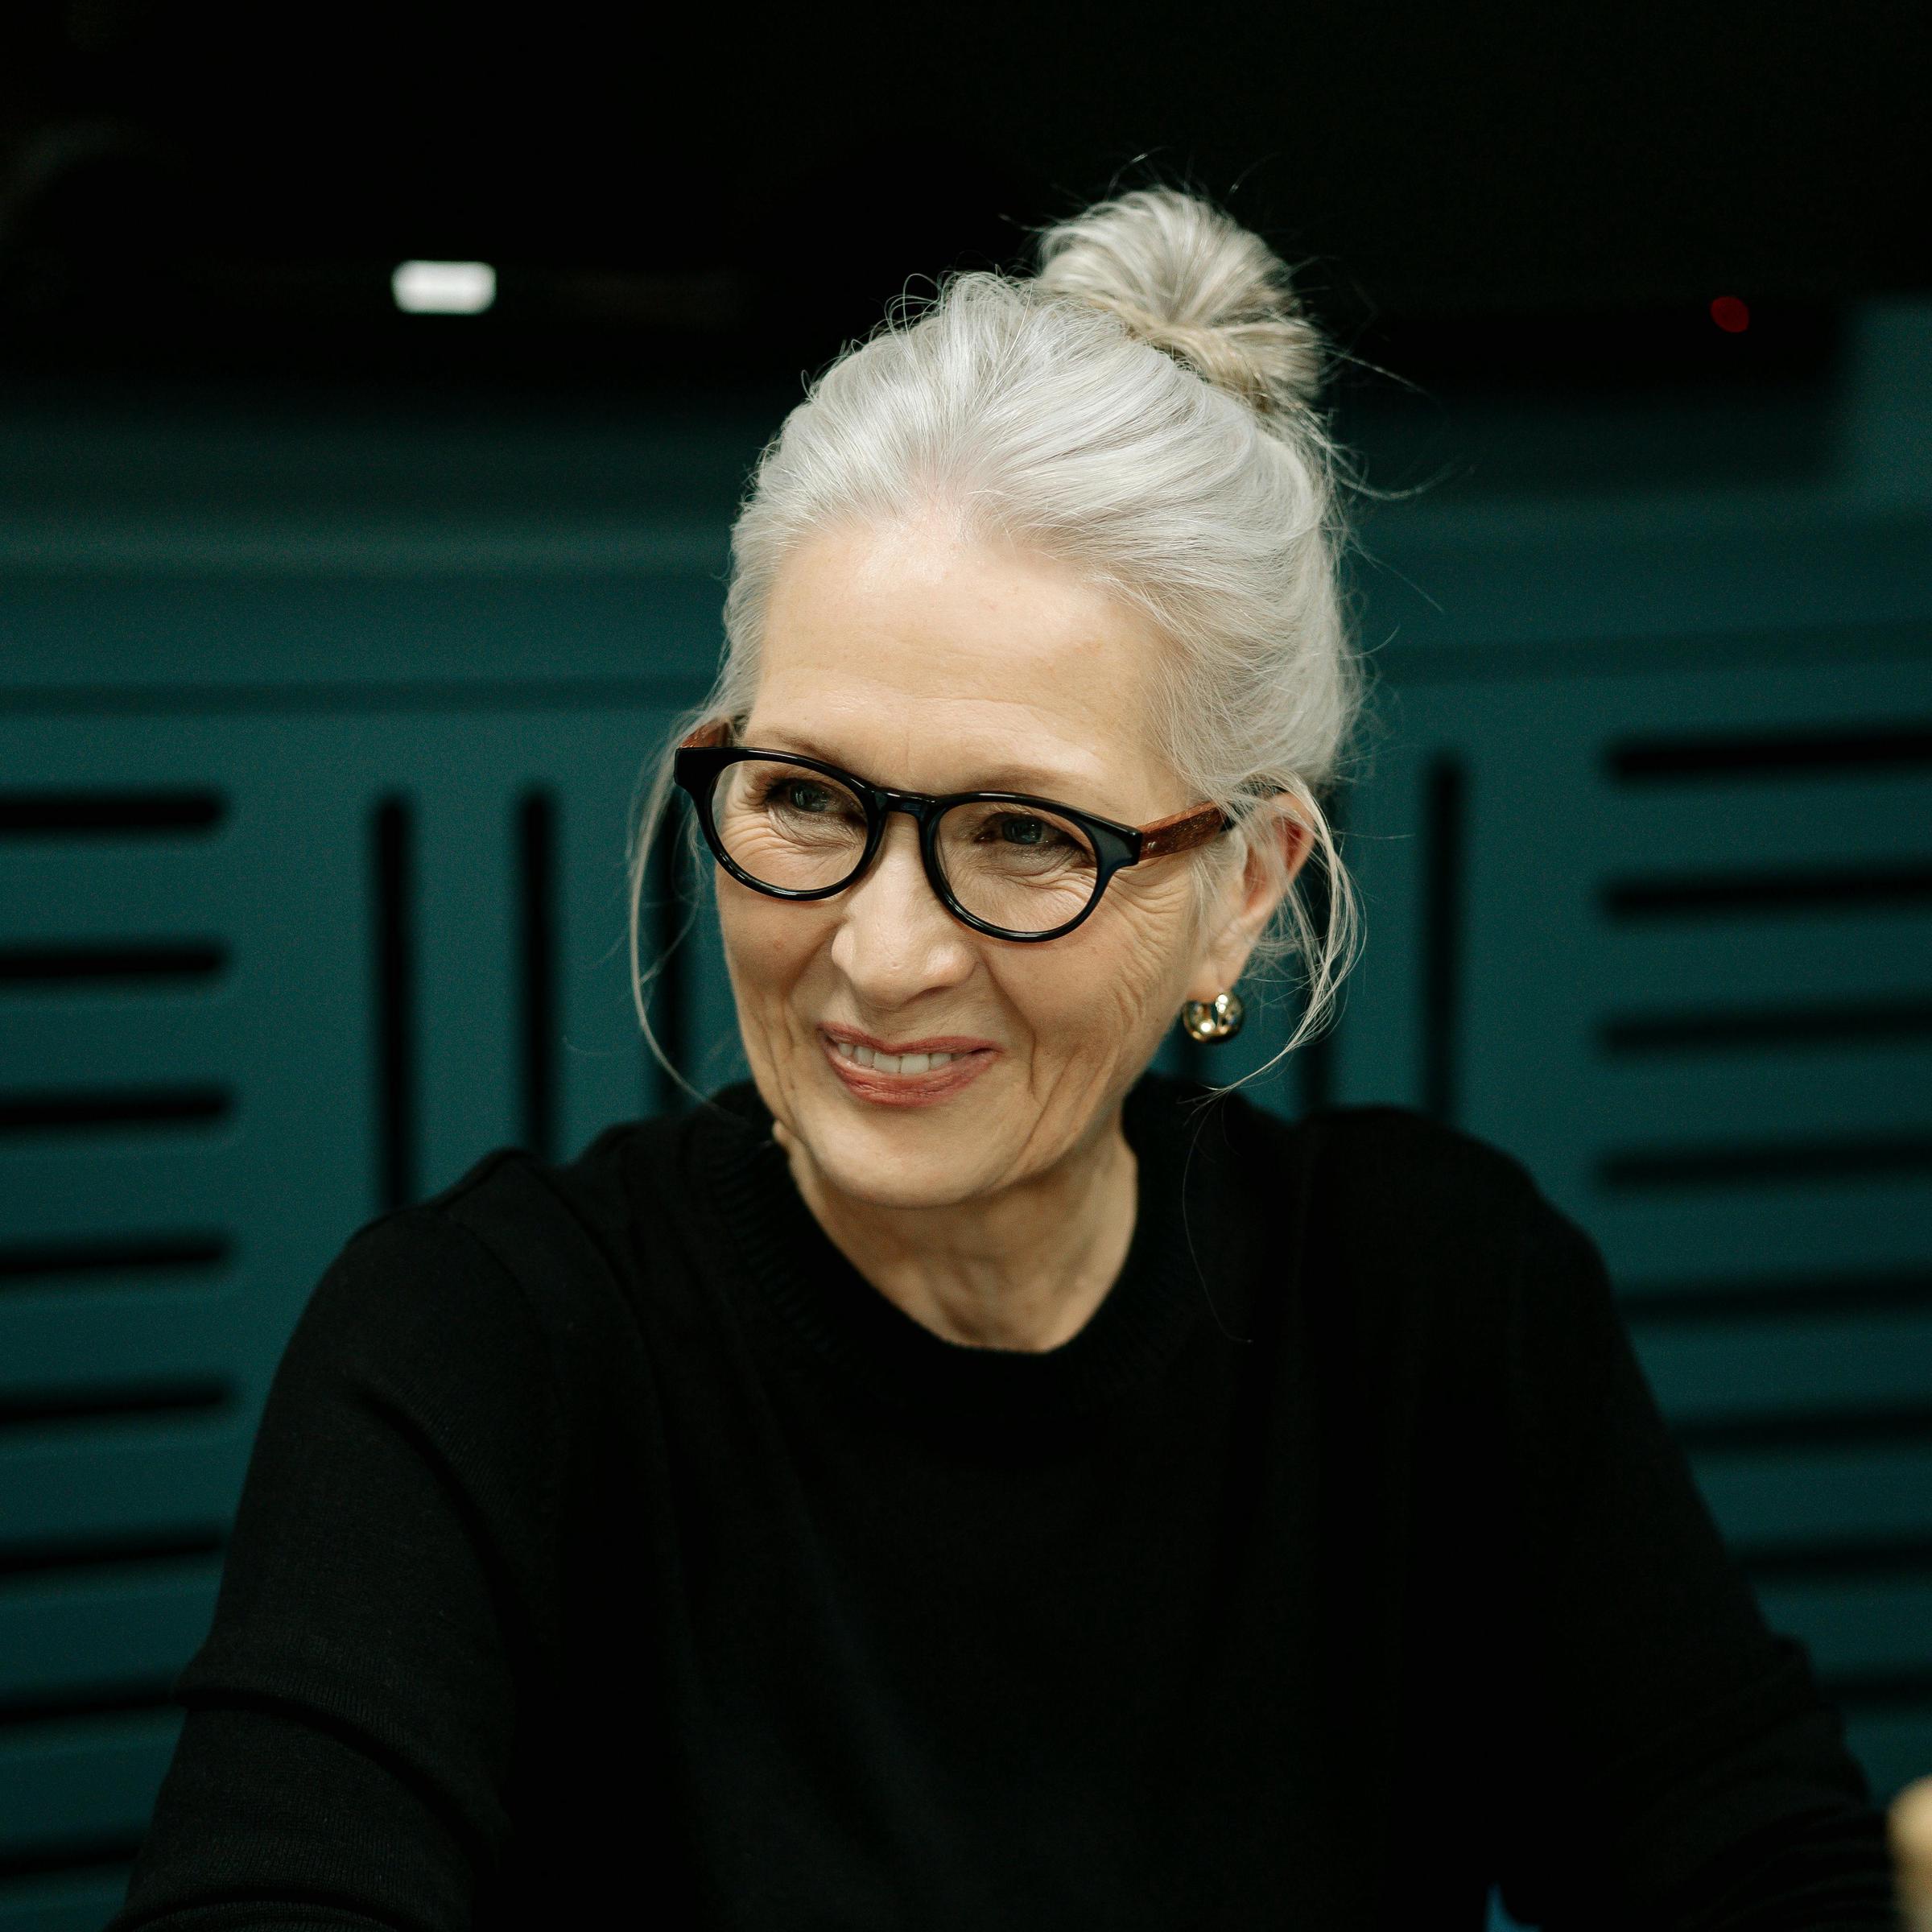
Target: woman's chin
[884,1164]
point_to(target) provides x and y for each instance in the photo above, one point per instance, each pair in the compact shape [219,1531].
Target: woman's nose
[894,926]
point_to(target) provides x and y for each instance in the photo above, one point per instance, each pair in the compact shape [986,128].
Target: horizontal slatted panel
[69,1637]
[65,1343]
[1809,808]
[1759,1231]
[1823,959]
[82,1780]
[114,1479]
[1809,1069]
[78,1900]
[194,1037]
[408,936]
[1803,1093]
[150,1263]
[193,1179]
[1716,1371]
[1816,1494]
[1861,1628]
[1890,1744]
[96,891]
[1667,937]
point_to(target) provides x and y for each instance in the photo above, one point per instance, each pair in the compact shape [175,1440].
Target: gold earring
[1221,1020]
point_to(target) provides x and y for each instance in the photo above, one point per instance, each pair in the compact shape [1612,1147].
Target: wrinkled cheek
[1149,959]
[753,962]
[758,935]
[768,951]
[1099,1009]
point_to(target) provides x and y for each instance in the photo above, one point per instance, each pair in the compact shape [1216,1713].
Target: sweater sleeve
[345,1759]
[1675,1763]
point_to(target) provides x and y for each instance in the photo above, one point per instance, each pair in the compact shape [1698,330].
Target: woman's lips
[908,1089]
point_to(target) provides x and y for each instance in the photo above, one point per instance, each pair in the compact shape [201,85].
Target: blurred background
[376,388]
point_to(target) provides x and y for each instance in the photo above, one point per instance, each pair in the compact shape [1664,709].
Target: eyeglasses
[1002,862]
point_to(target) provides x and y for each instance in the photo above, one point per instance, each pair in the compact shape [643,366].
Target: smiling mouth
[902,1064]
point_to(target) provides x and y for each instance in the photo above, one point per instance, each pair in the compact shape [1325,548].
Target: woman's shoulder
[1385,1167]
[1401,1238]
[1378,1218]
[523,1247]
[541,1216]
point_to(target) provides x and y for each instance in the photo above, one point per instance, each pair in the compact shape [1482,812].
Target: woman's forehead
[936,754]
[917,642]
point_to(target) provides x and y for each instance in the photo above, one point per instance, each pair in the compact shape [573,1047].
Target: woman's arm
[347,1753]
[1676,1763]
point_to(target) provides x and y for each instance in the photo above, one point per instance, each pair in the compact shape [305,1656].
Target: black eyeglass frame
[698,761]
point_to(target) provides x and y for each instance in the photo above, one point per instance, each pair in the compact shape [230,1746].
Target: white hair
[1143,407]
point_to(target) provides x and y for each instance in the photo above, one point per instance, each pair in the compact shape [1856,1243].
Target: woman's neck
[1024,1270]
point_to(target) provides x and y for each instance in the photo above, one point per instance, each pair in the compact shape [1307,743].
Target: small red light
[1730,315]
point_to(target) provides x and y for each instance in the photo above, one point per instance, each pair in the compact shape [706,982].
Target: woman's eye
[796,794]
[1016,829]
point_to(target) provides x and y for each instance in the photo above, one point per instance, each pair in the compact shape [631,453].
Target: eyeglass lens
[1020,868]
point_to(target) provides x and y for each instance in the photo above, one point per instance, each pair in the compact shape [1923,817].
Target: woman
[958,1478]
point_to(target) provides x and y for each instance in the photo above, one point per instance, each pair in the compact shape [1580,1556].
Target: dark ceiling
[1511,195]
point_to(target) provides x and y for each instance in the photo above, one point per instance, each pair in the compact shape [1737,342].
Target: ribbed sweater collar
[1175,1262]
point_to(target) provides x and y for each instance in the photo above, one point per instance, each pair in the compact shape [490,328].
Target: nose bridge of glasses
[920,856]
[917,806]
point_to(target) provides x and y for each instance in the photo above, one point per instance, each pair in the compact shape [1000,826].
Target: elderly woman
[960,1480]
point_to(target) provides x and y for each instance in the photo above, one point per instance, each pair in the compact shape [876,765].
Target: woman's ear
[1250,896]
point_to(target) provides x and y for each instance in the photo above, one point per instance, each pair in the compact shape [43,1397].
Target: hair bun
[1198,285]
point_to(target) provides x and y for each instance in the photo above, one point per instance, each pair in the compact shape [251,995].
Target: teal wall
[318,739]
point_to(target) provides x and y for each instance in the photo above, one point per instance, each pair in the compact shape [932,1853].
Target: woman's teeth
[893,1063]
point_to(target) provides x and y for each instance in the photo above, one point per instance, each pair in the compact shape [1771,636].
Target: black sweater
[612,1552]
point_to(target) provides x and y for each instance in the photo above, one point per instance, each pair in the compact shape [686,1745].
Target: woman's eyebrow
[998,777]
